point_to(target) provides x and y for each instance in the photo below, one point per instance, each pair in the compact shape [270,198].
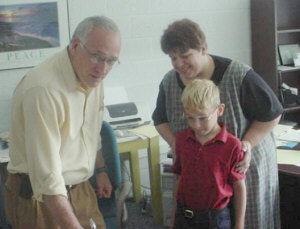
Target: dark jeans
[206,219]
[3,222]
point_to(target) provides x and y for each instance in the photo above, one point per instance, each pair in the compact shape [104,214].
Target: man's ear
[221,109]
[75,43]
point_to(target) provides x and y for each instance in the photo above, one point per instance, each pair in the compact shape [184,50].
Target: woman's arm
[255,134]
[239,202]
[259,130]
[261,106]
[160,119]
[166,133]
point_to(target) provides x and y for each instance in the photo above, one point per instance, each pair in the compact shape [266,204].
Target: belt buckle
[69,187]
[188,213]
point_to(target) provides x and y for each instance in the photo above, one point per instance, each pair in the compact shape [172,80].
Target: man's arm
[104,187]
[62,211]
[239,202]
[255,134]
[166,133]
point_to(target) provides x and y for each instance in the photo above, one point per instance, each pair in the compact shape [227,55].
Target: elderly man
[55,146]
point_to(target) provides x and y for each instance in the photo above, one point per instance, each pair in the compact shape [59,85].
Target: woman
[252,110]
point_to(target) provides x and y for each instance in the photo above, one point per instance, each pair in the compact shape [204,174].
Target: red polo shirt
[207,171]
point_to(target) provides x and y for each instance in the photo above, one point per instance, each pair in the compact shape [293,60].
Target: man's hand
[104,187]
[244,165]
[61,211]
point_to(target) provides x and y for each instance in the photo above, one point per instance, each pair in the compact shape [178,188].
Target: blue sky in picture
[29,26]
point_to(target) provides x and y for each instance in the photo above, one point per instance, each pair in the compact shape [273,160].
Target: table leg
[155,177]
[3,177]
[135,174]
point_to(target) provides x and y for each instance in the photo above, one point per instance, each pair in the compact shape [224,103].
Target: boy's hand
[244,165]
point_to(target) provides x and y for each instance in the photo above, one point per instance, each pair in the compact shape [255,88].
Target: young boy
[206,155]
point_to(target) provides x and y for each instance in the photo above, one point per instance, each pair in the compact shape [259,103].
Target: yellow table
[152,146]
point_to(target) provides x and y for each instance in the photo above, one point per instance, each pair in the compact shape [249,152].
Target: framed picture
[287,52]
[31,31]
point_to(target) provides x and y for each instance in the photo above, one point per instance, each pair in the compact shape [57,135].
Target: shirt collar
[69,74]
[221,136]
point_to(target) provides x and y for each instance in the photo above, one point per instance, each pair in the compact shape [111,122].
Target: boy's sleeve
[238,155]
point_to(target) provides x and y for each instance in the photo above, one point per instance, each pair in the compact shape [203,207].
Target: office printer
[127,115]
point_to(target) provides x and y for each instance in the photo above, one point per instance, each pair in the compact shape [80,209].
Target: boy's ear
[221,109]
[203,49]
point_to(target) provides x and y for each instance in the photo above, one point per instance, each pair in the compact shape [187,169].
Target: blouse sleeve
[258,100]
[159,115]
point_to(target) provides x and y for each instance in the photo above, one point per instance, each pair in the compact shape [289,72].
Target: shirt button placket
[199,152]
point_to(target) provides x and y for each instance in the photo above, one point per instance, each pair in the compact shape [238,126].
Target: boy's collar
[221,136]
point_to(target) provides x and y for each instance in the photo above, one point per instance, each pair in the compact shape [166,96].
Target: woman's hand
[244,165]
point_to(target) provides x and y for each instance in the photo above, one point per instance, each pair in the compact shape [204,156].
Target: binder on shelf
[167,165]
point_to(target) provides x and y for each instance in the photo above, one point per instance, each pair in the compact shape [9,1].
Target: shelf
[288,31]
[282,68]
[291,109]
[281,27]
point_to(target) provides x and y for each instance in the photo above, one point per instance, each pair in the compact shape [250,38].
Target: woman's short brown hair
[181,36]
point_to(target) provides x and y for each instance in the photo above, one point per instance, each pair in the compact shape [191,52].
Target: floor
[140,216]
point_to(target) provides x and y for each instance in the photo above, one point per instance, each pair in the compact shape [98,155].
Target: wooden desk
[289,181]
[152,146]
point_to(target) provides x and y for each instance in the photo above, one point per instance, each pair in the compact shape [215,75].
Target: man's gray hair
[87,25]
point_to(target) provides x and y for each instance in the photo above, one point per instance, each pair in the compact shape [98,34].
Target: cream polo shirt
[55,127]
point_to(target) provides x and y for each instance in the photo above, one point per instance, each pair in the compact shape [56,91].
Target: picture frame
[32,31]
[278,61]
[287,52]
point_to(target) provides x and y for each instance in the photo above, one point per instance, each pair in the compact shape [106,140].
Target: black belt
[190,213]
[26,189]
[70,187]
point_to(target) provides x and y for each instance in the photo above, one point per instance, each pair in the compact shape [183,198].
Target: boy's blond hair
[200,95]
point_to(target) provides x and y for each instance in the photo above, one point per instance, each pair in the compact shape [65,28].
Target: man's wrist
[101,169]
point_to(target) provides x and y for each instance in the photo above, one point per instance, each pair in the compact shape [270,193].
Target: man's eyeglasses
[95,58]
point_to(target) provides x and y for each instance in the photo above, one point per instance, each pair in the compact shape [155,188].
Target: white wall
[225,22]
